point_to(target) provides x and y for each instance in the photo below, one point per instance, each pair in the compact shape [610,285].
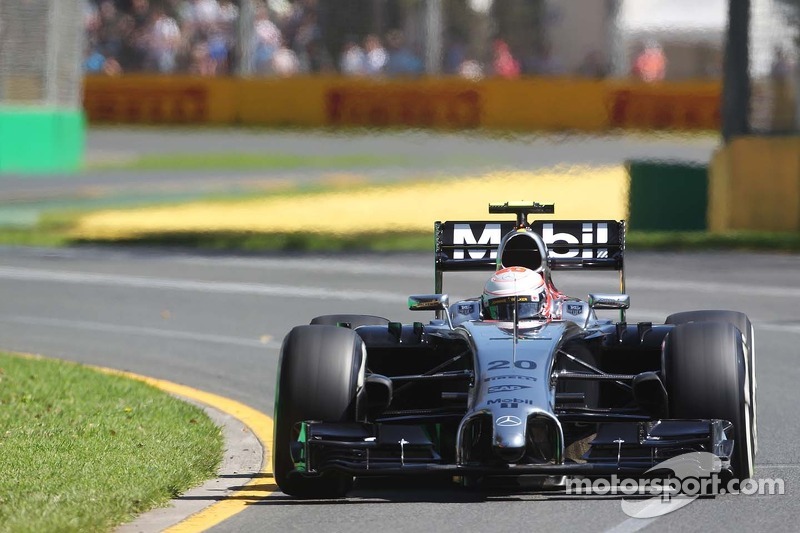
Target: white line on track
[369,266]
[783,328]
[137,330]
[631,525]
[259,289]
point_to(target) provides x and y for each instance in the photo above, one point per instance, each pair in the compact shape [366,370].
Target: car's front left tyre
[743,324]
[705,373]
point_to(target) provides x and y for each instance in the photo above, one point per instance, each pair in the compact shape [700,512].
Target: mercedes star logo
[508,420]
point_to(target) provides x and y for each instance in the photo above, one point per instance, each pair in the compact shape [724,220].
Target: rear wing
[571,244]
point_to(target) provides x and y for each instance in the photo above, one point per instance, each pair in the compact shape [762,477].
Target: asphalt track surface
[215,322]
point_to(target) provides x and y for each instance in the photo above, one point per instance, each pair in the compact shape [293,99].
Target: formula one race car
[521,383]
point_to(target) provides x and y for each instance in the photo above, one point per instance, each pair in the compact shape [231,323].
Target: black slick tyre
[321,369]
[705,375]
[743,324]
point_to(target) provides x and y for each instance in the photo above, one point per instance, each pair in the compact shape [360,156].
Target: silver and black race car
[477,398]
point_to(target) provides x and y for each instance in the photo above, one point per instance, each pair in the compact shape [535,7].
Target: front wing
[364,449]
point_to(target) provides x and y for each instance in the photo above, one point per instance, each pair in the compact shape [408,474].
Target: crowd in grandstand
[200,37]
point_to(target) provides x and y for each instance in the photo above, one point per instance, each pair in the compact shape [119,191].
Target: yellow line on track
[257,422]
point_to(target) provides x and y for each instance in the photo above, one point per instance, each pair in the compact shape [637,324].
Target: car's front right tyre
[320,372]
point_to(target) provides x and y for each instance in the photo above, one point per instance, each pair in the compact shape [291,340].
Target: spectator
[109,35]
[96,62]
[93,62]
[219,46]
[227,29]
[376,55]
[268,40]
[206,12]
[135,27]
[545,63]
[285,63]
[92,58]
[228,12]
[470,69]
[353,61]
[111,67]
[504,64]
[650,64]
[164,39]
[198,19]
[201,63]
[296,17]
[186,11]
[401,60]
[456,56]
[306,38]
[593,66]
[140,11]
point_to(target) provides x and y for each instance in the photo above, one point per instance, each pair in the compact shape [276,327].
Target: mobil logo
[487,234]
[559,238]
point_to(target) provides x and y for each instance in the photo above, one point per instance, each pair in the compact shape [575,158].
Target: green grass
[248,161]
[84,451]
[701,240]
[301,241]
[37,236]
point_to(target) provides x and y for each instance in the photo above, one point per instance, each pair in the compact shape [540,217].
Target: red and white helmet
[514,290]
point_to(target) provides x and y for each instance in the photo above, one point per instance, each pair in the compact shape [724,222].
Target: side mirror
[609,301]
[429,302]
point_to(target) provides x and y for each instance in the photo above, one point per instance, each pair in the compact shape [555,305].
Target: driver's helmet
[514,288]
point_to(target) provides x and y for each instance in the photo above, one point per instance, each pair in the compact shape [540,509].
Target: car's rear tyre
[321,370]
[744,325]
[705,375]
[353,321]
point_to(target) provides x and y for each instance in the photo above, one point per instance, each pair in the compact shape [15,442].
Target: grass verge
[85,451]
[701,240]
[36,236]
[248,161]
[255,242]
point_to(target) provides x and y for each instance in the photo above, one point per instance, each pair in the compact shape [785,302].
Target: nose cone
[509,439]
